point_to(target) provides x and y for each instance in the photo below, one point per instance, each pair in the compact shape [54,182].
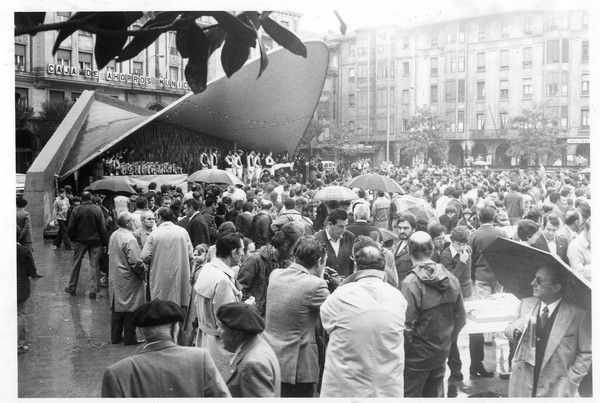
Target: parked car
[20,184]
[329,165]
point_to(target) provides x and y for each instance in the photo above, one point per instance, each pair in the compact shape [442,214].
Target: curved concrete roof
[269,113]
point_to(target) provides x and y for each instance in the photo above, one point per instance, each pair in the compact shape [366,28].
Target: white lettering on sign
[111,76]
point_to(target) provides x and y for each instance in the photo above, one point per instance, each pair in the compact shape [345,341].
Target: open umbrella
[419,208]
[340,193]
[214,176]
[515,265]
[112,184]
[375,182]
[386,235]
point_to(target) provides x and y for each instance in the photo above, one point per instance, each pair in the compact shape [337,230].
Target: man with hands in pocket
[553,351]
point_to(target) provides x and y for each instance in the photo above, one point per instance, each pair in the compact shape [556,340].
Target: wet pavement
[69,337]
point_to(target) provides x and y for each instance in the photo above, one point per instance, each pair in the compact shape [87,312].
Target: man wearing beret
[255,369]
[162,368]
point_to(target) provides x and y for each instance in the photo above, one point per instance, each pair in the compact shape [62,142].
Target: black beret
[157,312]
[241,316]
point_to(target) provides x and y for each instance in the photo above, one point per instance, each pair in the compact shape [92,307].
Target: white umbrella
[214,176]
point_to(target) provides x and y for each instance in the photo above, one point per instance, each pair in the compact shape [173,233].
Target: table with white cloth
[491,315]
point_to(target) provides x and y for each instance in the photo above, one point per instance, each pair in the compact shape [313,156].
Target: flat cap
[157,312]
[241,316]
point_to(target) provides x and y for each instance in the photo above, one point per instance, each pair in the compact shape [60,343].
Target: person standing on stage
[250,167]
[203,159]
[237,164]
[214,159]
[257,167]
[229,162]
[269,162]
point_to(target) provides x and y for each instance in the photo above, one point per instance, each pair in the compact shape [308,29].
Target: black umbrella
[515,265]
[111,184]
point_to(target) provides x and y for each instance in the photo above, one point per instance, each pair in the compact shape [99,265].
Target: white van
[329,165]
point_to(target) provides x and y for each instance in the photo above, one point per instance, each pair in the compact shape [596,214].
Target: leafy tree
[534,136]
[196,43]
[425,135]
[315,128]
[339,138]
[50,117]
[22,114]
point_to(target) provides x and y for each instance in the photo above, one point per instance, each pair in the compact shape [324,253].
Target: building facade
[477,72]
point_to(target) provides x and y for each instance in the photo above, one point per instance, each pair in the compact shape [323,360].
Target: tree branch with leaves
[237,33]
[534,135]
[425,135]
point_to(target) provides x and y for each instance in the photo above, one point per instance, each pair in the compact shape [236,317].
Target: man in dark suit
[485,282]
[243,221]
[557,244]
[197,227]
[530,232]
[361,225]
[24,223]
[457,259]
[338,243]
[255,369]
[405,226]
[162,368]
[208,212]
[513,202]
[448,218]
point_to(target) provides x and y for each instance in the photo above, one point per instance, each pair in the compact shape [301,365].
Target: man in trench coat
[125,280]
[553,353]
[168,253]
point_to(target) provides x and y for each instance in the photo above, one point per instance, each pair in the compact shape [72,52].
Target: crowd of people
[263,292]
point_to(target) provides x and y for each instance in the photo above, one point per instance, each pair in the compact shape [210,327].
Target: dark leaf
[343,26]
[196,75]
[28,20]
[197,46]
[233,25]
[141,42]
[182,43]
[215,37]
[234,54]
[284,37]
[65,32]
[264,59]
[253,16]
[110,45]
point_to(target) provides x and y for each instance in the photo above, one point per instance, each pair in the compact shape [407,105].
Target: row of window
[456,121]
[63,57]
[455,91]
[556,51]
[551,24]
[553,111]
